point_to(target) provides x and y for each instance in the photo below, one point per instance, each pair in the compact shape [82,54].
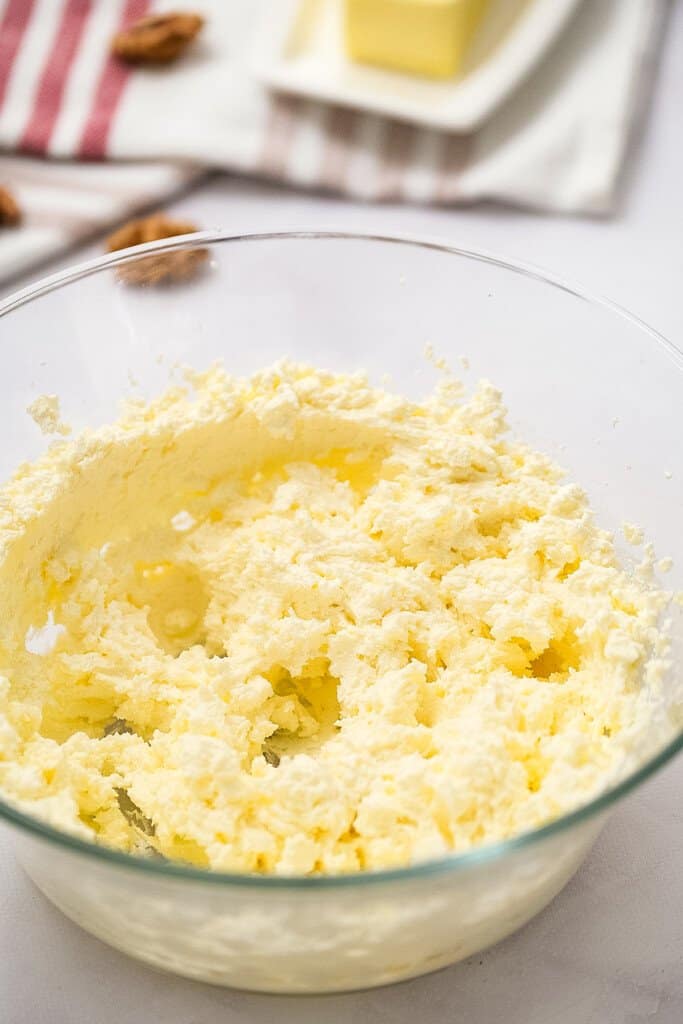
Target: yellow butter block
[425,37]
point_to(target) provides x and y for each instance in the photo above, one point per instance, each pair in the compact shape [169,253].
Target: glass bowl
[583,380]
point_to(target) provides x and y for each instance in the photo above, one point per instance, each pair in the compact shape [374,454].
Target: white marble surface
[609,950]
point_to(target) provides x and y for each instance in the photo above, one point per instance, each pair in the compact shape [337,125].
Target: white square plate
[300,50]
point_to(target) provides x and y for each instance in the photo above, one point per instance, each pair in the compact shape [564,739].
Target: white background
[609,950]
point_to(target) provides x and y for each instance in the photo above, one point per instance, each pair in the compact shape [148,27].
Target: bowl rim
[449,863]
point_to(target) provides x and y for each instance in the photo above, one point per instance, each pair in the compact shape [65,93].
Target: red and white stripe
[63,95]
[59,56]
[59,95]
[23,69]
[59,86]
[62,91]
[343,151]
[107,95]
[13,24]
[83,78]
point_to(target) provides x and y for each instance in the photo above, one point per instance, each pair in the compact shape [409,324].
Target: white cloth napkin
[557,143]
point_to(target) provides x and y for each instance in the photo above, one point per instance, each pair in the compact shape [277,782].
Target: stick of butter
[426,37]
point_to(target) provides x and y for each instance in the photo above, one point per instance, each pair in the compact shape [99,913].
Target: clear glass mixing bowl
[583,380]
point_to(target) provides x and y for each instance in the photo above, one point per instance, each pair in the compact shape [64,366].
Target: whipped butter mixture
[296,624]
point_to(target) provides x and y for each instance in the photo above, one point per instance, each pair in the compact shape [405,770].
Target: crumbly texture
[296,624]
[45,413]
[633,533]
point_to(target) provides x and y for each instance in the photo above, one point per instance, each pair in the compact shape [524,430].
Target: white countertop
[609,949]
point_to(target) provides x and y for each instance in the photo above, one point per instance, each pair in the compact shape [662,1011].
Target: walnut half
[158,39]
[10,214]
[162,267]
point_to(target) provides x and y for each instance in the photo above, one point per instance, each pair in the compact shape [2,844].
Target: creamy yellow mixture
[296,624]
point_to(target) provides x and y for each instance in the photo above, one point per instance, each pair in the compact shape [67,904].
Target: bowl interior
[593,388]
[590,386]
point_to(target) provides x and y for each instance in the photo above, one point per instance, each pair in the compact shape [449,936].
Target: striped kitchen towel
[556,144]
